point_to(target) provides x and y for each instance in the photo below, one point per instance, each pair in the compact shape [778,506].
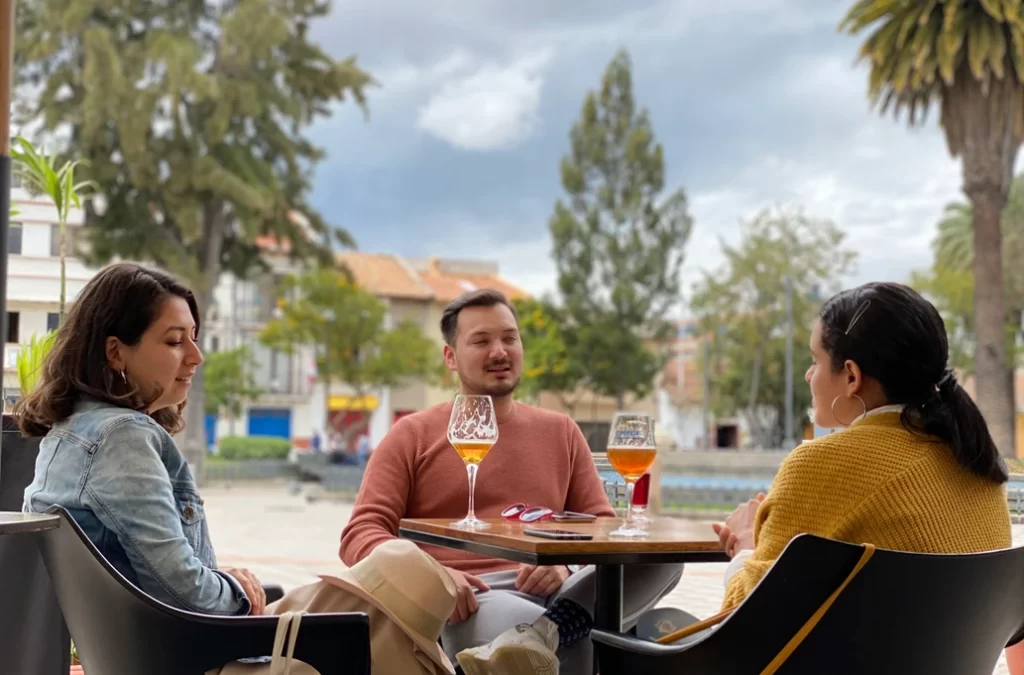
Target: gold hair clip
[857,315]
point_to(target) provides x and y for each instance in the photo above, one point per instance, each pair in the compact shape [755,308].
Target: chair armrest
[333,644]
[629,643]
[274,592]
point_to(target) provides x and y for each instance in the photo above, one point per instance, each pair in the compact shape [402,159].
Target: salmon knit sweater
[875,483]
[541,458]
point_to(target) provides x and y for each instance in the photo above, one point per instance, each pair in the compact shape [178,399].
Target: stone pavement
[286,540]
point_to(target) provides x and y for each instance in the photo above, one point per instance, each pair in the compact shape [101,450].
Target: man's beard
[501,388]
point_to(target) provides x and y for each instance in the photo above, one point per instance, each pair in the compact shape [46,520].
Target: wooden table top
[19,523]
[669,540]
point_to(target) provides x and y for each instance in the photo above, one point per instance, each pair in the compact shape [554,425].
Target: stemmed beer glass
[472,431]
[631,451]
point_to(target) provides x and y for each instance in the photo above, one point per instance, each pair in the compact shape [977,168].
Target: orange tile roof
[447,286]
[385,275]
[271,243]
[448,282]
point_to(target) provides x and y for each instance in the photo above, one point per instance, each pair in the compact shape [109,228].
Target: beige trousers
[392,652]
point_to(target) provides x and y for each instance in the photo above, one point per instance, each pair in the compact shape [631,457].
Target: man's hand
[541,581]
[465,600]
[252,587]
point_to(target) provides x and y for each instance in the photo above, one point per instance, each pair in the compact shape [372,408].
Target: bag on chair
[287,629]
[281,661]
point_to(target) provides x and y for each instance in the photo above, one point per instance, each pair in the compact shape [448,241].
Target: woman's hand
[737,533]
[252,587]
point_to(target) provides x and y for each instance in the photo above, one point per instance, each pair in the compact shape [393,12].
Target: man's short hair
[484,297]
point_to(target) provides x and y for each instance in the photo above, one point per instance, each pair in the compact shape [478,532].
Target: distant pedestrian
[363,449]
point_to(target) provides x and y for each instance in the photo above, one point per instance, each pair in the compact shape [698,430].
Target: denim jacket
[123,479]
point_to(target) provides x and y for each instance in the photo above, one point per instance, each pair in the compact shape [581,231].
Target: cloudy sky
[757,102]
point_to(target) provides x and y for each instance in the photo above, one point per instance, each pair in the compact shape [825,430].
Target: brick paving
[285,539]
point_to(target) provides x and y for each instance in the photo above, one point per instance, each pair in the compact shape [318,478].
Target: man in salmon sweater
[510,618]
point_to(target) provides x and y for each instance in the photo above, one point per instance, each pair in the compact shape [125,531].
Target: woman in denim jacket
[110,395]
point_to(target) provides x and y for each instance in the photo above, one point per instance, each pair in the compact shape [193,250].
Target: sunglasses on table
[532,514]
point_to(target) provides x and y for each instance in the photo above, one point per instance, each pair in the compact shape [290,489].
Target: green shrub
[30,360]
[254,447]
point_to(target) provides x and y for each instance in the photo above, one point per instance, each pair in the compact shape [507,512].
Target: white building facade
[241,308]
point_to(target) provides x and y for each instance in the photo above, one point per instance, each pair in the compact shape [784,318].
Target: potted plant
[17,453]
[41,174]
[41,646]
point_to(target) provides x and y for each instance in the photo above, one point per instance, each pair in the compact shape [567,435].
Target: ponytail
[952,416]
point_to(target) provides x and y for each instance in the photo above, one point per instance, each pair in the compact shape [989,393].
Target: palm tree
[59,185]
[953,247]
[953,250]
[967,58]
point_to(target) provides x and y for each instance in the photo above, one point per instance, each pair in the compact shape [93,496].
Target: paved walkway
[285,540]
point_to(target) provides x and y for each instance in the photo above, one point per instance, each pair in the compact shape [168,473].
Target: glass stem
[629,503]
[471,472]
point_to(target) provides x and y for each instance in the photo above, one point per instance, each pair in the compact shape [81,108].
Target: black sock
[573,621]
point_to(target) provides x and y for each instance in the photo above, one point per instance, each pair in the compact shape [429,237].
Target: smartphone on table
[568,535]
[573,517]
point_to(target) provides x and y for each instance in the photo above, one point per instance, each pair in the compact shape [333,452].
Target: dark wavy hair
[898,338]
[121,301]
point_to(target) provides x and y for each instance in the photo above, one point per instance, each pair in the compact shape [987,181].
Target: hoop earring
[862,405]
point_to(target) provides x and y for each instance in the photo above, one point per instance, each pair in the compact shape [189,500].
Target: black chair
[903,614]
[119,630]
[273,592]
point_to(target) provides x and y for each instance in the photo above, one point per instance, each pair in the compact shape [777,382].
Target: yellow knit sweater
[877,483]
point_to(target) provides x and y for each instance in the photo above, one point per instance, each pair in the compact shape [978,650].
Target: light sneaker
[527,649]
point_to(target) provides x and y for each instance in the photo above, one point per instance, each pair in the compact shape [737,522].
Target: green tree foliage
[742,305]
[229,381]
[949,283]
[348,329]
[548,363]
[954,248]
[952,293]
[192,116]
[618,245]
[966,57]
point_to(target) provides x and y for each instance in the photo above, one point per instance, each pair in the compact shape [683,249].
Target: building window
[52,321]
[14,239]
[15,179]
[214,343]
[55,241]
[13,327]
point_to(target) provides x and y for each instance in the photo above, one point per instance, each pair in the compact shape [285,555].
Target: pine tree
[618,247]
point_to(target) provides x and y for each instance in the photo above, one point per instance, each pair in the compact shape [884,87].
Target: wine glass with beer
[472,431]
[631,452]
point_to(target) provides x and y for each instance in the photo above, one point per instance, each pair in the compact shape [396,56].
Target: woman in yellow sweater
[914,467]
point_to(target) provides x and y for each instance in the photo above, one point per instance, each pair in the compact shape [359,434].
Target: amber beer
[472,452]
[630,461]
